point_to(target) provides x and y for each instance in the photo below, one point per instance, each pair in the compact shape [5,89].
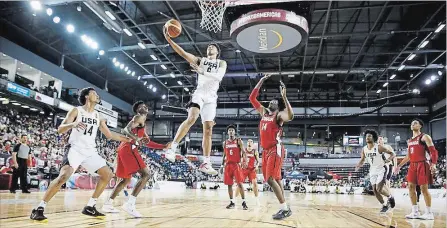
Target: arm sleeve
[433,154]
[254,98]
[218,75]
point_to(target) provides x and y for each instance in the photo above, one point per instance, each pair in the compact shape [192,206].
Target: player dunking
[420,171]
[278,112]
[249,169]
[82,123]
[210,72]
[129,160]
[231,162]
[379,168]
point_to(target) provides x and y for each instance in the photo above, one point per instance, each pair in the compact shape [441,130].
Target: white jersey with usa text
[85,139]
[205,84]
[375,159]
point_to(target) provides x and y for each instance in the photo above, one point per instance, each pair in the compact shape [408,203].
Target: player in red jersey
[231,162]
[129,160]
[420,171]
[278,112]
[251,160]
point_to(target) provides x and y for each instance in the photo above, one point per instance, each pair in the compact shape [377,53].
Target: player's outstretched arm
[69,122]
[218,75]
[362,160]
[287,114]
[110,135]
[384,149]
[192,59]
[255,93]
[402,163]
[153,145]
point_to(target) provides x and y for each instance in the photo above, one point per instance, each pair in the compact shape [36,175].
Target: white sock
[231,200]
[390,196]
[414,208]
[174,146]
[92,202]
[132,200]
[384,204]
[207,160]
[428,210]
[284,206]
[42,204]
[109,201]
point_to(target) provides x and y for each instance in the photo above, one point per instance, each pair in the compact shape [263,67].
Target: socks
[109,201]
[42,204]
[174,146]
[384,204]
[284,206]
[231,200]
[132,200]
[428,210]
[414,208]
[207,160]
[92,202]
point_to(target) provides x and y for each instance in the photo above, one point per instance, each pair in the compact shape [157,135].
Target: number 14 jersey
[85,138]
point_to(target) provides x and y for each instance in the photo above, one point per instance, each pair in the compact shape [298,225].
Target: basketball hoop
[212,14]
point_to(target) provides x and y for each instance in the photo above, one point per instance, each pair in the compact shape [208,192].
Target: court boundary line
[365,218]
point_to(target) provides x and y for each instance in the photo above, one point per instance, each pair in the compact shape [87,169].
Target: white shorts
[379,175]
[89,159]
[207,103]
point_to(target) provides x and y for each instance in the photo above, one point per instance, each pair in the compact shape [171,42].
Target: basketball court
[206,208]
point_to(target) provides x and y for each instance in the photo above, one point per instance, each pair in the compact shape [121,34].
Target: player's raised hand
[196,68]
[266,76]
[282,87]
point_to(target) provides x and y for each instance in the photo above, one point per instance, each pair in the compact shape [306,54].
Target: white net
[212,14]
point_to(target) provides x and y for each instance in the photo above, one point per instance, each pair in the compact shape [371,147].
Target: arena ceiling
[353,49]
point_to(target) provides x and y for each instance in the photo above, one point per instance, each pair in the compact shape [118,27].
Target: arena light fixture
[142,46]
[145,82]
[163,66]
[25,106]
[33,109]
[114,60]
[428,81]
[101,52]
[163,97]
[423,44]
[70,28]
[154,89]
[385,85]
[110,15]
[94,45]
[172,75]
[416,91]
[41,112]
[440,27]
[439,72]
[179,82]
[238,51]
[393,76]
[117,63]
[153,57]
[411,57]
[49,12]
[186,89]
[139,77]
[433,77]
[150,86]
[128,72]
[401,67]
[56,19]
[36,5]
[16,104]
[378,91]
[126,68]
[127,32]
[121,66]
[133,73]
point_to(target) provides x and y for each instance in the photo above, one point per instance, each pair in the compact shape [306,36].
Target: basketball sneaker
[413,215]
[427,216]
[91,211]
[244,206]
[384,209]
[208,169]
[231,205]
[37,214]
[391,202]
[108,208]
[282,214]
[130,208]
[170,155]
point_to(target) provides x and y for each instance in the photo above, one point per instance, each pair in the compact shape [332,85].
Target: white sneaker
[170,155]
[208,169]
[108,208]
[413,215]
[131,210]
[427,216]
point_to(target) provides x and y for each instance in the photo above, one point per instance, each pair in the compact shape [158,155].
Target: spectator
[20,156]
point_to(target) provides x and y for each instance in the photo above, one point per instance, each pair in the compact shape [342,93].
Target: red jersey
[232,151]
[251,156]
[417,149]
[269,130]
[139,131]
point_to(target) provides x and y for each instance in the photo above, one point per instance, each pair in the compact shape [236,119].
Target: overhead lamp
[2,99]
[378,91]
[153,57]
[33,109]
[439,72]
[128,72]
[163,66]
[424,44]
[15,103]
[51,113]
[393,76]
[172,75]
[150,86]
[49,12]
[36,5]
[94,45]
[70,28]
[139,77]
[385,85]
[401,67]
[163,97]
[411,75]
[154,89]
[428,81]
[127,32]
[142,46]
[126,68]
[433,77]
[121,66]
[133,73]
[186,89]
[41,112]
[56,19]
[114,60]
[416,91]
[101,52]
[179,82]
[110,15]
[25,106]
[79,8]
[440,27]
[238,51]
[411,57]
[116,63]
[145,82]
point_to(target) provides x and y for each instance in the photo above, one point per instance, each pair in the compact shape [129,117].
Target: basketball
[174,28]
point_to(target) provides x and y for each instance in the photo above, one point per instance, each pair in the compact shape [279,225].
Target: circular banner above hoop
[268,31]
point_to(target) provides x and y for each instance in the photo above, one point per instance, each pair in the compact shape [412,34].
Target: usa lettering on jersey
[88,120]
[209,65]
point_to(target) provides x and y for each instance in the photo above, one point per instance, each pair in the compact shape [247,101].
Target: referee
[20,155]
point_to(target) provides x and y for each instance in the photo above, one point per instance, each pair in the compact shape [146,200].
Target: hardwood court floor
[206,208]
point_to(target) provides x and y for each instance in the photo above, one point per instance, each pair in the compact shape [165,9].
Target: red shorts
[128,162]
[419,173]
[232,171]
[272,160]
[250,173]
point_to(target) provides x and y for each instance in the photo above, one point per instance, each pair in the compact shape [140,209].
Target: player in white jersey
[379,168]
[382,141]
[82,123]
[210,71]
